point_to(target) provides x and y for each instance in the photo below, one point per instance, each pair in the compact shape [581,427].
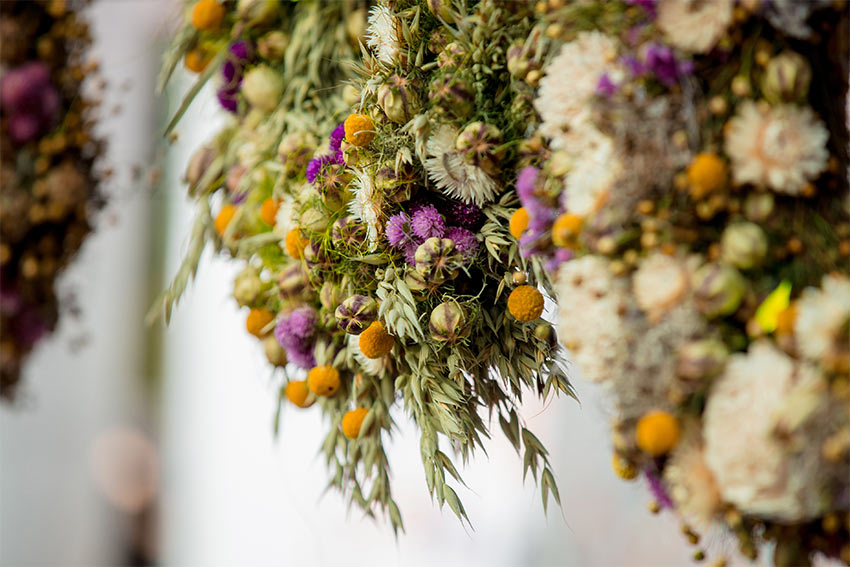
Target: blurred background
[131,445]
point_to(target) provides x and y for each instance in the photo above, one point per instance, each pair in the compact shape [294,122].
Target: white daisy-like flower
[367,205]
[596,167]
[659,284]
[752,469]
[694,25]
[382,34]
[571,80]
[370,366]
[691,483]
[457,178]
[821,314]
[589,318]
[782,147]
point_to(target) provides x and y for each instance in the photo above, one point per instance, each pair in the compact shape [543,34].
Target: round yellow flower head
[268,211]
[257,320]
[706,173]
[359,130]
[197,60]
[623,468]
[225,215]
[295,243]
[525,303]
[352,421]
[657,433]
[566,229]
[375,341]
[323,380]
[207,14]
[298,393]
[518,222]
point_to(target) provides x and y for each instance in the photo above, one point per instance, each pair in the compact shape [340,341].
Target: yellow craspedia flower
[207,14]
[525,303]
[657,433]
[295,243]
[268,211]
[566,229]
[623,468]
[706,173]
[298,393]
[359,130]
[518,222]
[352,421]
[257,321]
[375,341]
[225,215]
[197,60]
[323,380]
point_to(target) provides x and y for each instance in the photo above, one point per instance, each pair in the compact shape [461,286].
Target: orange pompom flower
[323,380]
[298,393]
[375,341]
[257,320]
[525,303]
[352,421]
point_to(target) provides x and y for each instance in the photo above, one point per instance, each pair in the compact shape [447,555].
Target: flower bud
[520,61]
[442,9]
[330,296]
[263,88]
[247,286]
[451,56]
[275,353]
[398,99]
[758,206]
[700,359]
[292,282]
[273,45]
[786,78]
[447,322]
[356,313]
[744,245]
[418,284]
[348,232]
[718,289]
[437,260]
[478,144]
[451,96]
[315,257]
[255,12]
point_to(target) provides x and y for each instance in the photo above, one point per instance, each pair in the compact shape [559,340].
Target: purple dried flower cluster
[660,62]
[427,222]
[29,100]
[541,216]
[318,164]
[296,334]
[238,57]
[409,231]
[465,215]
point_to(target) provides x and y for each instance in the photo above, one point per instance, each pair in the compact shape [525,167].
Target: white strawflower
[782,147]
[366,205]
[589,324]
[659,284]
[457,178]
[596,167]
[694,25]
[751,467]
[382,33]
[821,315]
[571,80]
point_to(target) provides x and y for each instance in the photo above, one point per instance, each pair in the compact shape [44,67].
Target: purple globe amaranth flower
[606,87]
[399,231]
[525,183]
[232,70]
[464,240]
[317,165]
[427,222]
[635,66]
[228,99]
[30,101]
[662,63]
[295,333]
[410,252]
[337,136]
[465,215]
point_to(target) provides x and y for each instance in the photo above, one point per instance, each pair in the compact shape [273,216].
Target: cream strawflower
[659,284]
[691,483]
[821,316]
[571,80]
[457,178]
[783,147]
[367,205]
[589,323]
[694,25]
[382,34]
[596,167]
[750,465]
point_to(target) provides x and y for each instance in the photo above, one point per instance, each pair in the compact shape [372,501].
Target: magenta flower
[30,101]
[399,231]
[296,334]
[464,240]
[427,222]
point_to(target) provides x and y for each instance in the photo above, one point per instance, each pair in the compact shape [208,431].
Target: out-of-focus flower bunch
[48,187]
[689,185]
[372,210]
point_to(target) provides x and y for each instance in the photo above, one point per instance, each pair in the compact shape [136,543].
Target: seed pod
[447,322]
[198,167]
[348,232]
[295,151]
[437,260]
[356,313]
[718,289]
[263,88]
[292,282]
[273,45]
[315,257]
[478,144]
[451,96]
[701,359]
[744,245]
[247,286]
[330,296]
[786,78]
[398,99]
[451,56]
[442,9]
